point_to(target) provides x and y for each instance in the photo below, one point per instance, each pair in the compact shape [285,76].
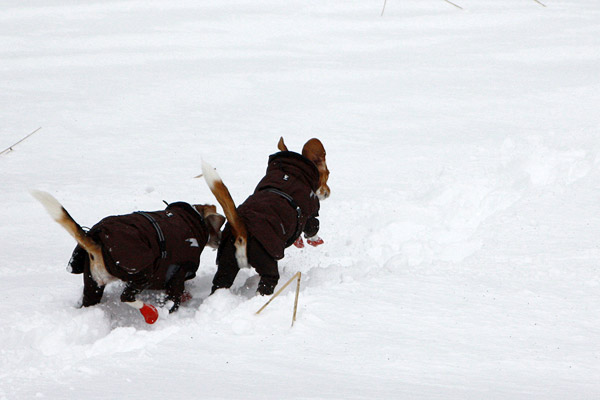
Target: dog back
[138,246]
[271,218]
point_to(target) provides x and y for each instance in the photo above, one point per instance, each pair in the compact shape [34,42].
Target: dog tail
[60,215]
[218,188]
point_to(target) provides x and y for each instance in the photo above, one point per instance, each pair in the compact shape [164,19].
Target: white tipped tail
[60,215]
[218,188]
[210,175]
[54,208]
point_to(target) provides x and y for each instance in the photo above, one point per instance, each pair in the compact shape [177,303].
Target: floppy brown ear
[281,146]
[216,221]
[314,151]
[209,213]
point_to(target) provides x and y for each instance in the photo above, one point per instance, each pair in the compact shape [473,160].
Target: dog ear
[216,221]
[209,213]
[314,151]
[281,145]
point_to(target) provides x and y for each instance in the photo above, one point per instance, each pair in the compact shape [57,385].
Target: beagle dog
[157,250]
[284,204]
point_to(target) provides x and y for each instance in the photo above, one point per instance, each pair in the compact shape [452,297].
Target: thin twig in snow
[455,5]
[9,148]
[384,3]
[540,3]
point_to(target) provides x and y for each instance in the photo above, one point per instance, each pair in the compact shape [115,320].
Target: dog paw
[149,313]
[299,243]
[186,296]
[314,241]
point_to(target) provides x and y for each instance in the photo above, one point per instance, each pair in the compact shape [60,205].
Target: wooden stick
[297,274]
[296,300]
[455,5]
[540,3]
[9,148]
[384,3]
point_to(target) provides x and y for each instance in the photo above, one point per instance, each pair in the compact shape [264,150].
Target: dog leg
[314,241]
[148,311]
[176,285]
[92,292]
[299,243]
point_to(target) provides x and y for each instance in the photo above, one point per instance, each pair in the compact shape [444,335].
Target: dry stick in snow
[540,3]
[455,5]
[297,276]
[447,1]
[9,148]
[296,299]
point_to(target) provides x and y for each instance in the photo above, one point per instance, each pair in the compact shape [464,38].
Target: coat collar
[308,167]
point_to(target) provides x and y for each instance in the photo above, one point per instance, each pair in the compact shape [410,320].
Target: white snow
[461,237]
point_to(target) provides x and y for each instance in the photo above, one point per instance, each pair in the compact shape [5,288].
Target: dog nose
[323,193]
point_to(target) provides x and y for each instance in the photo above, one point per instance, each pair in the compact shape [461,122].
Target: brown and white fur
[94,250]
[312,149]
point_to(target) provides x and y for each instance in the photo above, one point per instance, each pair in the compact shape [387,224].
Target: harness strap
[290,200]
[162,244]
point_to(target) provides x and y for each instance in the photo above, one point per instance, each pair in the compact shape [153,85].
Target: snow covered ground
[462,234]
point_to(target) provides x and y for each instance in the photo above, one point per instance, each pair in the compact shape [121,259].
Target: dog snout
[323,192]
